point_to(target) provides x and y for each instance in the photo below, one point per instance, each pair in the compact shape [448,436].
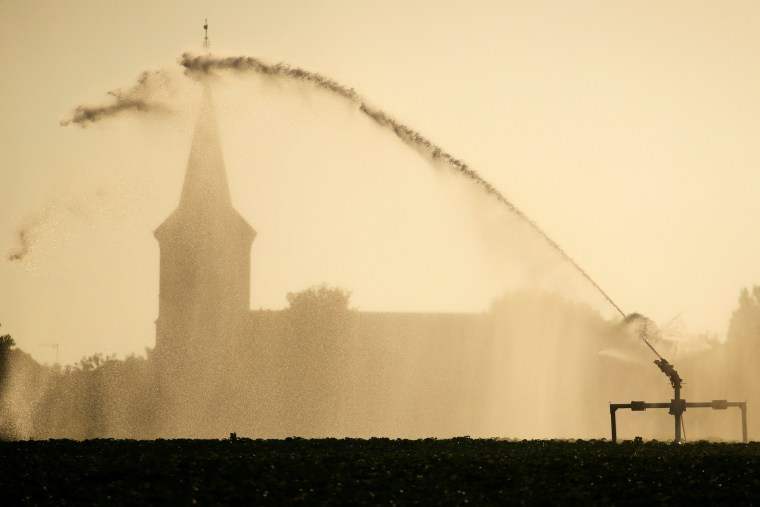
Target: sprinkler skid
[677,405]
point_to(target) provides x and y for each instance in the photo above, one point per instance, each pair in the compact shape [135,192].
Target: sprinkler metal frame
[677,405]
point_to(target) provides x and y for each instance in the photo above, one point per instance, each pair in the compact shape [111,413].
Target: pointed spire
[206,179]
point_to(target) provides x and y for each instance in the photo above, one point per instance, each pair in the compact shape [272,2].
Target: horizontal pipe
[716,404]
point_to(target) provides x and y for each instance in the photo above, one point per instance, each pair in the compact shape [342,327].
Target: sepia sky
[627,130]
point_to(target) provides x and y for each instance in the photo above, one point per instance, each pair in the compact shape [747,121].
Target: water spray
[207,64]
[138,98]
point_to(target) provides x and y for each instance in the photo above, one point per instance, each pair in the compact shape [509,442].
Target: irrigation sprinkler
[677,405]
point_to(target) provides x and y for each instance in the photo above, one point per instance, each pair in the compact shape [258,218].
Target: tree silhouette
[744,327]
[316,334]
[743,343]
[6,344]
[319,300]
[6,426]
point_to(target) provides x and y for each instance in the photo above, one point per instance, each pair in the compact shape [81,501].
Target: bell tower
[205,251]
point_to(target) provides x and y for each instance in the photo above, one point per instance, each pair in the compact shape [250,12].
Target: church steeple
[206,179]
[205,248]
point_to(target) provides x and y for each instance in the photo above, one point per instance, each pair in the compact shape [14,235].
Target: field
[376,471]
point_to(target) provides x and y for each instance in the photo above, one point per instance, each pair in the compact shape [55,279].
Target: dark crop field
[377,471]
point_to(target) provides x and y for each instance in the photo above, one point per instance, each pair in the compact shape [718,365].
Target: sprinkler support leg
[677,408]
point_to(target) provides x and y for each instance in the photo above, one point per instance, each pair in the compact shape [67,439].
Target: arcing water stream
[207,64]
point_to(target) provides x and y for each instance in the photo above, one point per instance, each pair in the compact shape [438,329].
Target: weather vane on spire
[205,38]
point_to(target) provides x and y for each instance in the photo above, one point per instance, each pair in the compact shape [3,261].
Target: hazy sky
[627,130]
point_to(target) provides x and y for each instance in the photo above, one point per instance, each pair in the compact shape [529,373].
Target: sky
[626,130]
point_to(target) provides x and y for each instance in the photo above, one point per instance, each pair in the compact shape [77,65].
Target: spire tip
[205,37]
